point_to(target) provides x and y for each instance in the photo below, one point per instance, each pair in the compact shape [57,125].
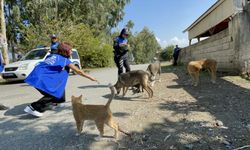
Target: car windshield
[35,55]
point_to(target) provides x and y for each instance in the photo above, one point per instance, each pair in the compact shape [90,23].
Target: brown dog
[132,78]
[194,68]
[154,69]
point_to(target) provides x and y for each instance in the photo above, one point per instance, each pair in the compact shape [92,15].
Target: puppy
[153,70]
[132,78]
[194,68]
[101,114]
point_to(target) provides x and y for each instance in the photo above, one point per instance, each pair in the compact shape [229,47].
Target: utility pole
[3,34]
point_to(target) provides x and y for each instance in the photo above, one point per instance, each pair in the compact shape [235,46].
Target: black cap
[124,31]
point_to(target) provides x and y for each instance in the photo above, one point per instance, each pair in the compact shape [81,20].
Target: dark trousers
[175,61]
[121,62]
[42,103]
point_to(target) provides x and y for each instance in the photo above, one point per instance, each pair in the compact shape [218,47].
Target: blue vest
[1,63]
[119,50]
[54,46]
[50,75]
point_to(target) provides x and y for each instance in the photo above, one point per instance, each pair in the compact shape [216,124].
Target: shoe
[59,105]
[30,110]
[2,107]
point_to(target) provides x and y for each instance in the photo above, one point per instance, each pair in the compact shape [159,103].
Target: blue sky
[165,18]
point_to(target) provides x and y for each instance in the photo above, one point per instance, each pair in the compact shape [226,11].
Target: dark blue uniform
[54,47]
[1,62]
[176,55]
[121,52]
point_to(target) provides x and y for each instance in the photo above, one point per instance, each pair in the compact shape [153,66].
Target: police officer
[121,48]
[54,43]
[176,54]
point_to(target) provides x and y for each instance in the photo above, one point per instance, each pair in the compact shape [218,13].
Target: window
[35,55]
[74,55]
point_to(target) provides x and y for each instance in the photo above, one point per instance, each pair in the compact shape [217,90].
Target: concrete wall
[230,47]
[244,39]
[218,47]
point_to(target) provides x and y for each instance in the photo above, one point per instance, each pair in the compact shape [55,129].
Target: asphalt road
[56,129]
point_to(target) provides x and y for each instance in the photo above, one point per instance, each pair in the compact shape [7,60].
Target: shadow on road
[93,86]
[193,124]
[11,82]
[126,98]
[16,110]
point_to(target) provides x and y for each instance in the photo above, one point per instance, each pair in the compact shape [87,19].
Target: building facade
[226,27]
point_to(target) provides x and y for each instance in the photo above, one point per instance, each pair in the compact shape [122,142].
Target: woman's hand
[94,79]
[82,73]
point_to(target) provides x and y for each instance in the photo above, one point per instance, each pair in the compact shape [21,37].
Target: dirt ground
[180,116]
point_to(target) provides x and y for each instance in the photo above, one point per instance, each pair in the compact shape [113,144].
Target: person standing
[1,62]
[54,43]
[49,77]
[121,48]
[176,54]
[2,107]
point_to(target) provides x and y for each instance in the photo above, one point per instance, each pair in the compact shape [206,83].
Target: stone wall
[218,47]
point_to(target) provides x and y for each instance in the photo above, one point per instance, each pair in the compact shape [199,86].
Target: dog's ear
[73,97]
[80,96]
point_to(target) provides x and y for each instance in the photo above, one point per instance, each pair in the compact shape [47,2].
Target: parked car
[21,69]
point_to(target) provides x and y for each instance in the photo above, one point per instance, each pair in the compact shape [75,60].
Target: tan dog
[132,78]
[153,70]
[194,68]
[101,114]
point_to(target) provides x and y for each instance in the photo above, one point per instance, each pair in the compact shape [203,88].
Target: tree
[102,15]
[144,46]
[45,17]
[130,24]
[3,34]
[167,52]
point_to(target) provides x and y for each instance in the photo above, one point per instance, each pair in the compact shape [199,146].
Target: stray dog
[132,78]
[101,114]
[153,70]
[194,68]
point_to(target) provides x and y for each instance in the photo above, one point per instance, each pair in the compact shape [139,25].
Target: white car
[21,69]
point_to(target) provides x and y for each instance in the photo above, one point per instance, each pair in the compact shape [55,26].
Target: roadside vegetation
[89,26]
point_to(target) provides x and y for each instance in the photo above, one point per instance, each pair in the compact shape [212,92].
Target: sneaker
[2,107]
[59,105]
[30,110]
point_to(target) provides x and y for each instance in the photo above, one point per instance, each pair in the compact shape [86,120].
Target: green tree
[144,46]
[99,14]
[167,52]
[130,24]
[92,51]
[68,18]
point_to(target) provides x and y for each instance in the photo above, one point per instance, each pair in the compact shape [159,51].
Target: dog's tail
[112,88]
[124,132]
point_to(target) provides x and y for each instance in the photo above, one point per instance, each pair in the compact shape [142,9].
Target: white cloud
[174,41]
[158,39]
